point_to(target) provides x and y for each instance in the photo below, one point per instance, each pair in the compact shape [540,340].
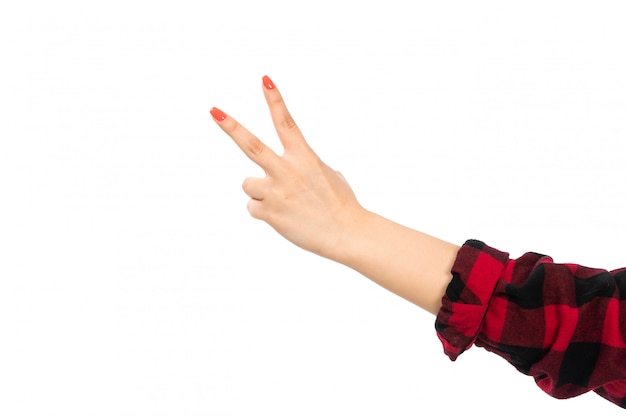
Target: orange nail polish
[218,114]
[268,83]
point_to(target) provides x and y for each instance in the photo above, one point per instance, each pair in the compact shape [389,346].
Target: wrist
[347,234]
[356,237]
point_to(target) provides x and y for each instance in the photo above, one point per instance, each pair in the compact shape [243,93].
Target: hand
[302,198]
[313,206]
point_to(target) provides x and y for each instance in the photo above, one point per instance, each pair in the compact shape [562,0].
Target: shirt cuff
[475,274]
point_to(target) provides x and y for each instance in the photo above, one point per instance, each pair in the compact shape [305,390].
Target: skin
[312,206]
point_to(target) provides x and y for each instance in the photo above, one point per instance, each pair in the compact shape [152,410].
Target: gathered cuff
[475,274]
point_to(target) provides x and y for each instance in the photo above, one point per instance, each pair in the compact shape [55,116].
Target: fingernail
[218,114]
[268,83]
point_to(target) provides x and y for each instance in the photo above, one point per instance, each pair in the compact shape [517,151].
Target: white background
[133,281]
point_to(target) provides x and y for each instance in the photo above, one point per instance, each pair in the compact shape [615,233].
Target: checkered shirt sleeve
[563,324]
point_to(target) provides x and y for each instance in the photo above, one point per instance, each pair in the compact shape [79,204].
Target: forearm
[407,262]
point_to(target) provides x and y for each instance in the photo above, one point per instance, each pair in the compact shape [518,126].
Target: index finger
[252,146]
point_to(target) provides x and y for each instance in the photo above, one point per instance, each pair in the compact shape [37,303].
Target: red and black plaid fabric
[563,324]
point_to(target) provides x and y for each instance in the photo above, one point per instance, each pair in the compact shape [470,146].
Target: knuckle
[245,186]
[235,127]
[288,123]
[256,147]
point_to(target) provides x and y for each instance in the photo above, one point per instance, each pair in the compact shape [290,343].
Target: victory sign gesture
[312,205]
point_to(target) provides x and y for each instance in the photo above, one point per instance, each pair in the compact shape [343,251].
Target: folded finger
[255,188]
[256,209]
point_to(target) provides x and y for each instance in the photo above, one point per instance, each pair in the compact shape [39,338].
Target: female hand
[302,198]
[312,206]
